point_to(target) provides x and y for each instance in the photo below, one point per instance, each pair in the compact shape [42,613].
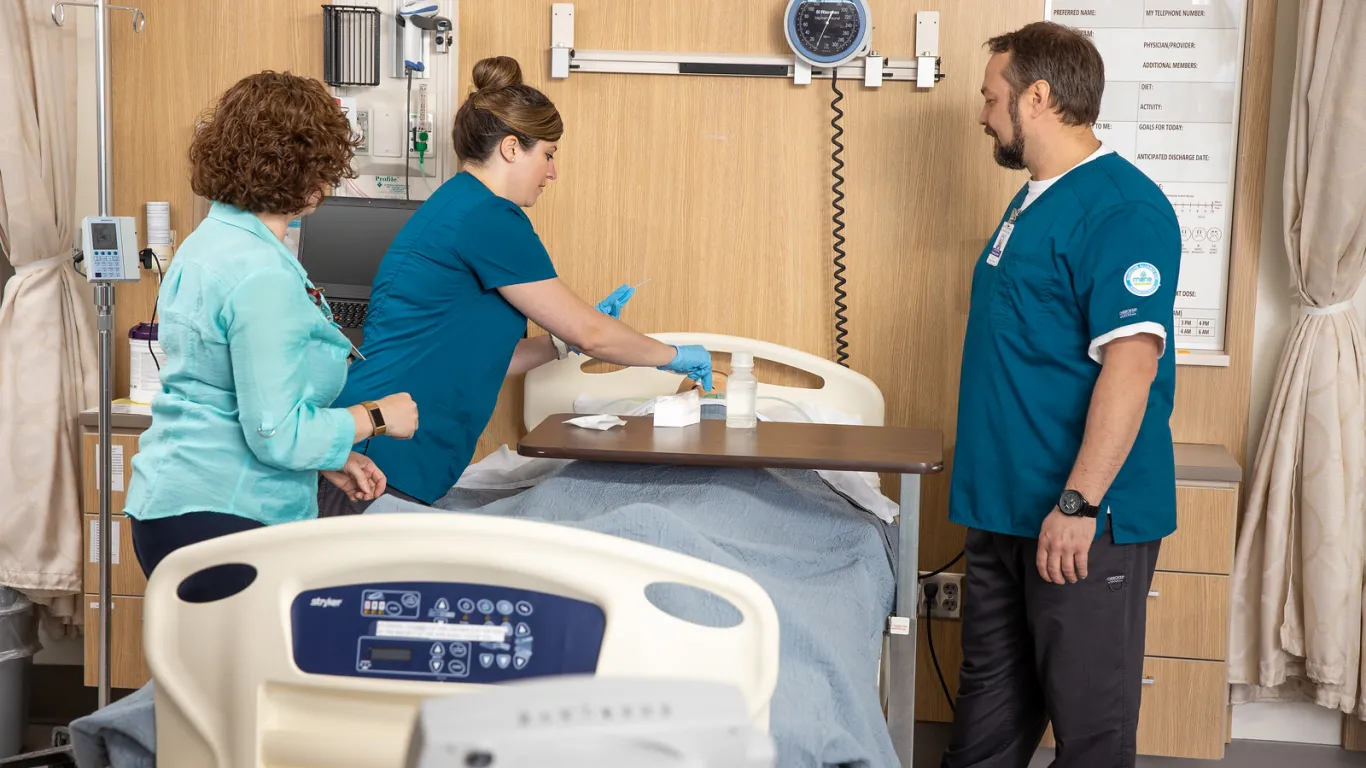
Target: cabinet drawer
[1206,523]
[125,446]
[125,573]
[1185,708]
[127,666]
[1188,616]
[1184,711]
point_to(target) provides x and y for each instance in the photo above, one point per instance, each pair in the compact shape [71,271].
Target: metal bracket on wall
[873,70]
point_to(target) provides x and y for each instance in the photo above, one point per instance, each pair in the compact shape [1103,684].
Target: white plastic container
[741,392]
[145,359]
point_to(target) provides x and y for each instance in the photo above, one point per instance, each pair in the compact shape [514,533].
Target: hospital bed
[342,630]
[725,508]
[823,564]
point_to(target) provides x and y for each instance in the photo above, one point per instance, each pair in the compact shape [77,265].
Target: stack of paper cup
[159,231]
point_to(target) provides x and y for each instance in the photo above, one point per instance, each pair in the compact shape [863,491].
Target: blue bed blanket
[826,564]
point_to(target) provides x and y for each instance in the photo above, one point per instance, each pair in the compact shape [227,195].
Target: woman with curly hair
[244,421]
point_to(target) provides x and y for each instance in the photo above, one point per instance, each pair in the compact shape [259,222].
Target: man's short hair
[1061,56]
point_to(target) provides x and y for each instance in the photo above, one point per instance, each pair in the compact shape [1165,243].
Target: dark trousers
[1035,653]
[333,502]
[153,540]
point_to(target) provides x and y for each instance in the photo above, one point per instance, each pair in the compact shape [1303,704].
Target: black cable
[841,320]
[931,591]
[76,258]
[148,258]
[943,567]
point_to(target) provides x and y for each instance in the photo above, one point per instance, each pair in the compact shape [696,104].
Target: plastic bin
[18,644]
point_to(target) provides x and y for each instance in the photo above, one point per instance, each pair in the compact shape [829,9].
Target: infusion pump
[110,248]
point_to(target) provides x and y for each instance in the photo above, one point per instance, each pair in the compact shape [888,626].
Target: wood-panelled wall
[720,190]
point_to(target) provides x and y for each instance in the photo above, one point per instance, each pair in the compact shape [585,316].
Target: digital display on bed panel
[457,633]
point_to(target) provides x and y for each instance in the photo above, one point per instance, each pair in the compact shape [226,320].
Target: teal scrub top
[251,367]
[438,329]
[1096,257]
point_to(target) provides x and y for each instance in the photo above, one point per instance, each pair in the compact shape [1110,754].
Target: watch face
[1071,503]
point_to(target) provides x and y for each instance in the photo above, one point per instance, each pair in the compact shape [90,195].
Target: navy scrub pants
[1035,653]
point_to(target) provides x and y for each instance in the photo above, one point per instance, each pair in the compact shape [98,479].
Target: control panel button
[457,667]
[411,599]
[465,605]
[520,662]
[523,608]
[393,608]
[486,660]
[522,629]
[504,660]
[374,596]
[505,607]
[459,650]
[435,664]
[438,649]
[486,606]
[442,605]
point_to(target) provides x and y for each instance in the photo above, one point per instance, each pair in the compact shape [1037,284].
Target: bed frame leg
[901,703]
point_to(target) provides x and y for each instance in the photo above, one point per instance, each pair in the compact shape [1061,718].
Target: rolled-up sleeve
[1127,276]
[269,321]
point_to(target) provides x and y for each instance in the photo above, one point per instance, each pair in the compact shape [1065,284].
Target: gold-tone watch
[376,417]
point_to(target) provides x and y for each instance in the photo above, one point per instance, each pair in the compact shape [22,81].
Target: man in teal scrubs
[1063,471]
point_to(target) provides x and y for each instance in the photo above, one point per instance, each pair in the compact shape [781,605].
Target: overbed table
[783,445]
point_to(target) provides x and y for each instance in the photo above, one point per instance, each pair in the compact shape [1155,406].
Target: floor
[931,739]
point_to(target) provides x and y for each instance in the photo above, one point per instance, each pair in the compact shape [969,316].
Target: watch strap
[376,418]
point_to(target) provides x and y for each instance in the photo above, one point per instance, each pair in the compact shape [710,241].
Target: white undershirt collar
[1037,188]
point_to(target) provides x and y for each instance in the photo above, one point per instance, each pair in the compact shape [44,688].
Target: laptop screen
[342,243]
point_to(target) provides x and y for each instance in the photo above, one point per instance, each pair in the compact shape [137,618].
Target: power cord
[931,592]
[148,258]
[841,307]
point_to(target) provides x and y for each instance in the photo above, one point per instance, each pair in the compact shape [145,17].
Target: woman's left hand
[361,479]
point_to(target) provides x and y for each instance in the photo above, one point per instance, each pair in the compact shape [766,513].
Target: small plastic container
[145,359]
[741,392]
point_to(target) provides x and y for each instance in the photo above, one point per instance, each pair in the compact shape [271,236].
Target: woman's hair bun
[497,72]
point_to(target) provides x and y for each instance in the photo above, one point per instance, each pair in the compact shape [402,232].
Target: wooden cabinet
[128,667]
[1185,710]
[127,583]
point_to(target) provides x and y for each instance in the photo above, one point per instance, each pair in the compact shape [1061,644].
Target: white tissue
[601,421]
[678,410]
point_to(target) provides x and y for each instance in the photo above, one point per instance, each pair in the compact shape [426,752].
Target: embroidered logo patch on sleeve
[1142,279]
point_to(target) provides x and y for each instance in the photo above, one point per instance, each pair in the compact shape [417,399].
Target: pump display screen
[404,655]
[104,237]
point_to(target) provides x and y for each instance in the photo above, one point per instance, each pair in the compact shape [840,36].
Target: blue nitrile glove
[694,361]
[612,305]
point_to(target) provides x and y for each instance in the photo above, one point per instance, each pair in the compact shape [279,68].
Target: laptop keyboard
[349,314]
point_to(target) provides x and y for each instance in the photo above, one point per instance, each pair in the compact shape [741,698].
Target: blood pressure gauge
[828,33]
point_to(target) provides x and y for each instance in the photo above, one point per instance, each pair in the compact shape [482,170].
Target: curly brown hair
[272,144]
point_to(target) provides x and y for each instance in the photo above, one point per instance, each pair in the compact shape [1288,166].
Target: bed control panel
[442,632]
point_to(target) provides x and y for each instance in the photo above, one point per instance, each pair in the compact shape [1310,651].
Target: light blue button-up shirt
[243,420]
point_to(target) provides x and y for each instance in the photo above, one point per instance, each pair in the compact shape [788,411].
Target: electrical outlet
[363,128]
[948,603]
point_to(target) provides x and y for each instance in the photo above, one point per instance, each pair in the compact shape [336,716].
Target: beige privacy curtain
[1298,583]
[47,340]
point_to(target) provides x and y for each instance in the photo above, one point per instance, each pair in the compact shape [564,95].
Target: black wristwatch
[1073,504]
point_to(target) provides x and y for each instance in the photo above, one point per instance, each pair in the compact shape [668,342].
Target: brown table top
[773,445]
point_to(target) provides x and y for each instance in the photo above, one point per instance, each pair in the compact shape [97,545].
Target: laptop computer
[341,245]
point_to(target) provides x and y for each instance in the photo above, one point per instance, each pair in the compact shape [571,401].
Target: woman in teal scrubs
[450,303]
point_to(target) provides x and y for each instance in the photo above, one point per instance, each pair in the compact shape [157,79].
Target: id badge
[999,247]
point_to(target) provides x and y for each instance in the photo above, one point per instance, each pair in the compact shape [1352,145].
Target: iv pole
[104,302]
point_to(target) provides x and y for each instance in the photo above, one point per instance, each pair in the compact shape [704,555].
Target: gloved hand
[612,305]
[694,361]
